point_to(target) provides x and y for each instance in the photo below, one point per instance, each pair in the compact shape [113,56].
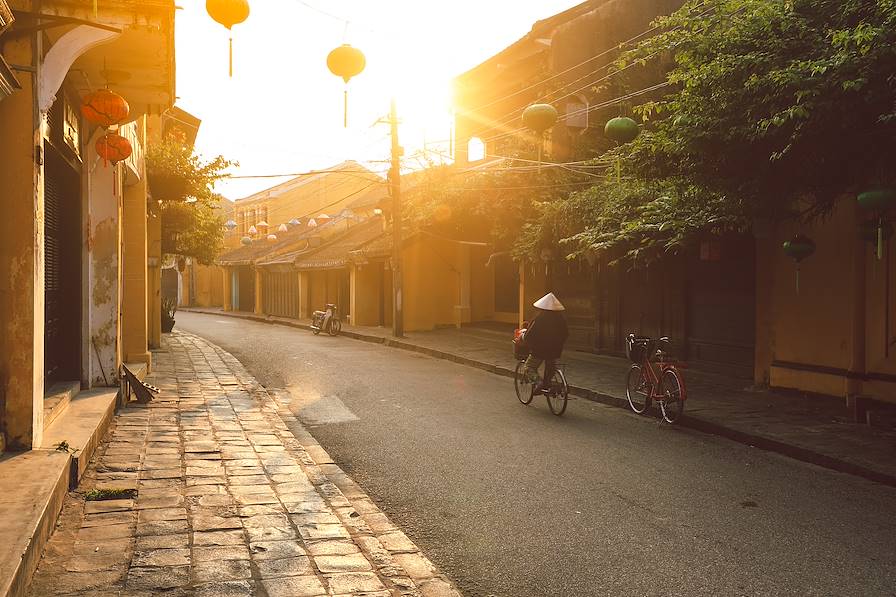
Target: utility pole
[395,176]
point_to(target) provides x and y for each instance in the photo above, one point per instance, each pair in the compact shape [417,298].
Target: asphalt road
[511,501]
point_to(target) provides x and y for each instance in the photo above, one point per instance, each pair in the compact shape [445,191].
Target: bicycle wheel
[521,383]
[672,403]
[637,390]
[559,393]
[335,327]
[315,331]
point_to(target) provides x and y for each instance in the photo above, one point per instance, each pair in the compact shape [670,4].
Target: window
[475,150]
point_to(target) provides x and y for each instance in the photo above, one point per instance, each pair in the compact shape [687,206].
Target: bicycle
[667,387]
[557,394]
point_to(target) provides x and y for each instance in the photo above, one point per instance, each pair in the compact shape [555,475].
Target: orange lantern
[114,148]
[228,13]
[104,108]
[346,62]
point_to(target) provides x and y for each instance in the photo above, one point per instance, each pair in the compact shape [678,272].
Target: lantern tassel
[540,147]
[880,239]
[230,69]
[345,108]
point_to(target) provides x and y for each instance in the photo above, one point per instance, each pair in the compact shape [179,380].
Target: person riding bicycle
[545,337]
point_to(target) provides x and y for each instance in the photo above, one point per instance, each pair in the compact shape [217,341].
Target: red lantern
[114,148]
[228,13]
[104,108]
[346,62]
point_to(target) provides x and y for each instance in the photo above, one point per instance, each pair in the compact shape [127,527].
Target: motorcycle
[326,321]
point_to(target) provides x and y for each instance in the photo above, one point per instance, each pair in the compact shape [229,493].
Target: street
[509,500]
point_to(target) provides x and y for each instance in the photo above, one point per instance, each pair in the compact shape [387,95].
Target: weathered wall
[431,284]
[837,335]
[21,262]
[103,245]
[366,296]
[204,285]
[135,291]
[482,295]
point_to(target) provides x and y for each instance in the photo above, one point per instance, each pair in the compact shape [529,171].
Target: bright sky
[282,111]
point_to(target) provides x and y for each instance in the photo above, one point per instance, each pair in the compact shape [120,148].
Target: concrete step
[35,483]
[82,426]
[57,398]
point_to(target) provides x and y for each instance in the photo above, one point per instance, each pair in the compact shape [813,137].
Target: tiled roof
[292,239]
[337,253]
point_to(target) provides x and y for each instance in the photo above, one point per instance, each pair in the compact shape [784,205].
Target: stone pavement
[811,428]
[215,489]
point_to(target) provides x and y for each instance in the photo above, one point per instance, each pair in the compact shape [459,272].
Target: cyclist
[545,337]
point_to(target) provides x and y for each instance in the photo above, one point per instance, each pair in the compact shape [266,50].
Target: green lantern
[540,117]
[878,201]
[622,129]
[798,248]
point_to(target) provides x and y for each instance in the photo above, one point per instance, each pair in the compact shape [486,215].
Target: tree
[777,109]
[181,184]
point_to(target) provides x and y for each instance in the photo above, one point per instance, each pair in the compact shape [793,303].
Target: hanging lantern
[114,148]
[272,237]
[798,248]
[104,108]
[323,217]
[622,129]
[253,230]
[230,224]
[312,223]
[540,118]
[181,264]
[282,228]
[228,13]
[878,201]
[246,241]
[294,222]
[346,62]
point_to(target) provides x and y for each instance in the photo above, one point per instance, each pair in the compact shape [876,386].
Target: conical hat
[549,302]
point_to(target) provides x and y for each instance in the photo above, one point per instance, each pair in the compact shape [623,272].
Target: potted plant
[169,308]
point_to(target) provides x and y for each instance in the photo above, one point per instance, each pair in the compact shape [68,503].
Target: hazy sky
[282,111]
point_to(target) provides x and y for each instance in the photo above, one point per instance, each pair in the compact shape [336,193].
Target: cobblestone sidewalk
[215,489]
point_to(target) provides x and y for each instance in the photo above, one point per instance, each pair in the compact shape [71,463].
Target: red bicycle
[644,384]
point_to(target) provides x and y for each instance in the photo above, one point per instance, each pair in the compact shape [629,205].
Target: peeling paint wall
[21,263]
[103,271]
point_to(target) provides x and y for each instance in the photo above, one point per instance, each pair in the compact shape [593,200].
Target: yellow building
[79,275]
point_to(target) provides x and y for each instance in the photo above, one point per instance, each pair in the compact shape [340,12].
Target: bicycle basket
[520,348]
[638,348]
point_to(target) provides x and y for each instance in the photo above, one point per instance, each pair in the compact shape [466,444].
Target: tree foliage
[776,109]
[182,184]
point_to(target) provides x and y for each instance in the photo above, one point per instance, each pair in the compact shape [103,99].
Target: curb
[708,427]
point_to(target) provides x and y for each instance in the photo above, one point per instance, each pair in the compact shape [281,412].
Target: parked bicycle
[524,382]
[644,384]
[326,321]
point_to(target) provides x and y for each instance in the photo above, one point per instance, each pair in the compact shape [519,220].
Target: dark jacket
[547,334]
